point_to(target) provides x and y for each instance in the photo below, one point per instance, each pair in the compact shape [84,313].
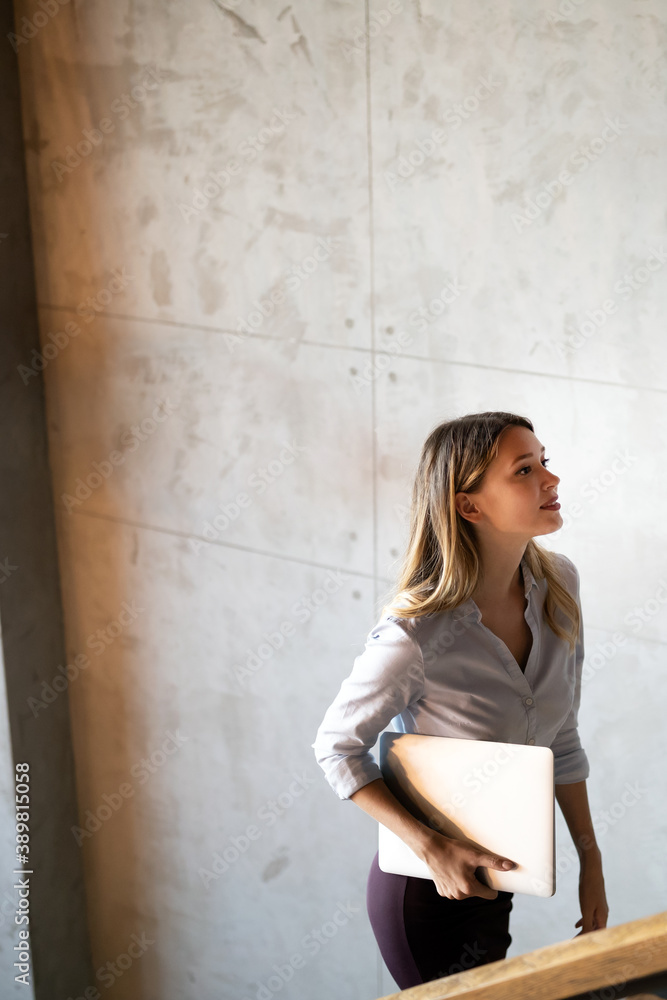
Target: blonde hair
[441,565]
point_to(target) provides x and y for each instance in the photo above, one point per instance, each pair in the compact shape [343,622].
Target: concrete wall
[239,211]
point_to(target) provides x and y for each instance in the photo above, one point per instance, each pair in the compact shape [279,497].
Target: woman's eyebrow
[527,455]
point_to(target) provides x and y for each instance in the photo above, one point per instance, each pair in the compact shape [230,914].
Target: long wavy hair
[442,565]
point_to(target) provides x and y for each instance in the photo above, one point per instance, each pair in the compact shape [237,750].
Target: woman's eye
[544,463]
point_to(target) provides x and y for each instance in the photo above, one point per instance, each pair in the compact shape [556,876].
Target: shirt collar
[470,608]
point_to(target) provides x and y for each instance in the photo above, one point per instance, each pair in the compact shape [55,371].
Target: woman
[483,640]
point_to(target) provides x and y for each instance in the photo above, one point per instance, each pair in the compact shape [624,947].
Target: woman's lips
[551,506]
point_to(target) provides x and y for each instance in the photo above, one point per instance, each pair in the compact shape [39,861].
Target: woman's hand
[592,896]
[453,862]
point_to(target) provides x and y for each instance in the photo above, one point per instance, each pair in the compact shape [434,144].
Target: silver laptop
[499,795]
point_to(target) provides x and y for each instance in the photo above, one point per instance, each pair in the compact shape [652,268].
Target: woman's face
[516,485]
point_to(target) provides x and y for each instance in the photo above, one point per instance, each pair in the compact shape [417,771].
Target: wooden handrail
[622,961]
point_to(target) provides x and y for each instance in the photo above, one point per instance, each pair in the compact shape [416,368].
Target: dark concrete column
[30,606]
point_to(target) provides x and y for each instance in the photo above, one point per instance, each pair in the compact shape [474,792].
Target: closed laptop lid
[499,795]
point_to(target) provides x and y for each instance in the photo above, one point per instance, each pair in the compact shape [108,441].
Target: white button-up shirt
[447,674]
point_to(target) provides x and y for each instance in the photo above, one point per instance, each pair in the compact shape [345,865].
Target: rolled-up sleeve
[385,678]
[570,761]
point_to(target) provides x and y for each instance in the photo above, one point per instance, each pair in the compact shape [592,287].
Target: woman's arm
[377,799]
[573,801]
[385,678]
[452,862]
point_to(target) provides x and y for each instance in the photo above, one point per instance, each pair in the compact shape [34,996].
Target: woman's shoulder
[393,625]
[414,628]
[568,569]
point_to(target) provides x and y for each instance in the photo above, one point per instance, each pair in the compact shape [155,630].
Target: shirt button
[528,701]
[531,740]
